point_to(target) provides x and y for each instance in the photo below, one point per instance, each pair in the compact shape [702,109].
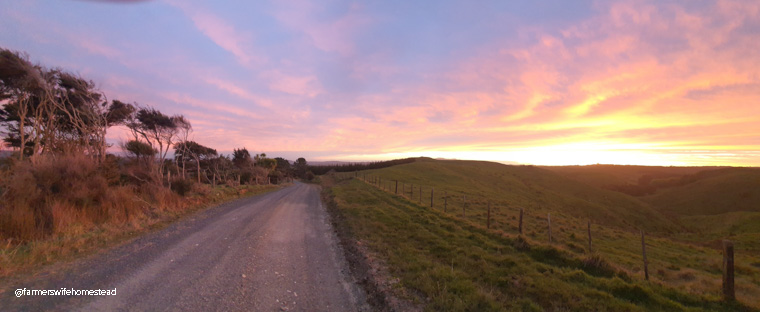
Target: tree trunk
[197,162]
[22,110]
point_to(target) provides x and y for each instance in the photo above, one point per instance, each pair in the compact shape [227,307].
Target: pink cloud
[625,70]
[232,88]
[222,33]
[335,35]
[298,85]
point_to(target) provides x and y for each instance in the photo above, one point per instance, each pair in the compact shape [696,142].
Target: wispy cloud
[222,33]
[618,81]
[336,35]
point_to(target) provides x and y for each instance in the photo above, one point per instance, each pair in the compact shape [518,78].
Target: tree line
[350,167]
[49,112]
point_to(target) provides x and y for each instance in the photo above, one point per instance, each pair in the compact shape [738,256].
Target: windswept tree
[194,151]
[84,115]
[52,110]
[156,128]
[221,168]
[183,135]
[140,150]
[242,158]
[21,85]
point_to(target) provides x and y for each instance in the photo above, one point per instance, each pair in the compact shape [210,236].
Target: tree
[183,135]
[242,158]
[21,82]
[221,167]
[156,128]
[84,115]
[301,167]
[284,167]
[53,111]
[140,150]
[195,151]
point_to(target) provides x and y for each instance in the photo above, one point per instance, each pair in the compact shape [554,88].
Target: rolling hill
[445,258]
[711,192]
[533,188]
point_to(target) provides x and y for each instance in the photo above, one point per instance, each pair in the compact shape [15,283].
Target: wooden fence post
[431,197]
[445,200]
[396,187]
[464,204]
[644,255]
[521,217]
[488,218]
[549,219]
[589,237]
[728,271]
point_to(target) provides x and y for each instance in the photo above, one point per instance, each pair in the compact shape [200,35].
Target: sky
[530,82]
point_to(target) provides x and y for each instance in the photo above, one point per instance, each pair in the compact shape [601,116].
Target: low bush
[182,186]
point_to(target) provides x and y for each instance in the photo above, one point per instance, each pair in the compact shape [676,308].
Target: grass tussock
[53,208]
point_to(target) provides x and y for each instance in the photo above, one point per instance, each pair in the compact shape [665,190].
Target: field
[447,261]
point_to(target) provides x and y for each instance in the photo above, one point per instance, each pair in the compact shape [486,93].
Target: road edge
[124,238]
[368,274]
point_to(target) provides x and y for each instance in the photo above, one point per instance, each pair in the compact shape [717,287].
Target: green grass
[509,188]
[713,192]
[604,175]
[683,252]
[454,264]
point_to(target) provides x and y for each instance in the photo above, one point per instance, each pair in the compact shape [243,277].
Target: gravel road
[273,252]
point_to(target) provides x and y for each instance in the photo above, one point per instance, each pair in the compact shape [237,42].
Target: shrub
[597,266]
[521,244]
[182,186]
[33,190]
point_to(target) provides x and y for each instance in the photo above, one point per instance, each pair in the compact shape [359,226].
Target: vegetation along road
[274,252]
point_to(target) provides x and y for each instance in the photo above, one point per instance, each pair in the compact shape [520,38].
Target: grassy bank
[447,262]
[81,236]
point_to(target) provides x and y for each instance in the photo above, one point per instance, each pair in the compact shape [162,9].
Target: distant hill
[711,192]
[334,163]
[683,191]
[536,189]
[610,175]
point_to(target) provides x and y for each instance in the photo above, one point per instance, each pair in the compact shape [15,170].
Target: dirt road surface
[273,252]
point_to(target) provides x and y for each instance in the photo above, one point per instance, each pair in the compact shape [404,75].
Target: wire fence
[500,215]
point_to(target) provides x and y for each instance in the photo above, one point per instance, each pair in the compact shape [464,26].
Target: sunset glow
[547,83]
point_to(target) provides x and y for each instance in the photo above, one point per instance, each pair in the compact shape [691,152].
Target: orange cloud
[633,69]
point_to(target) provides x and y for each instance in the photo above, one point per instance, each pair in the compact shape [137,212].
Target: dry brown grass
[56,208]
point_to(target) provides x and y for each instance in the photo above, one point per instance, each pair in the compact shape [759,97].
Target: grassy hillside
[449,263]
[710,203]
[606,175]
[509,188]
[712,192]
